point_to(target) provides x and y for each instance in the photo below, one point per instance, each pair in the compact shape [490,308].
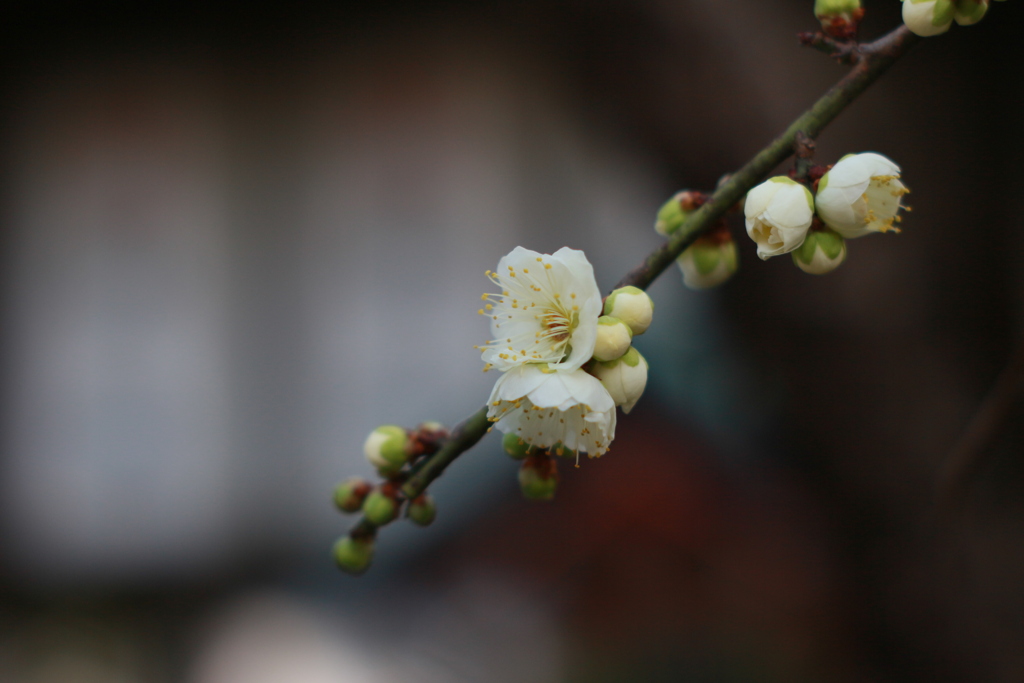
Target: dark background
[236,237]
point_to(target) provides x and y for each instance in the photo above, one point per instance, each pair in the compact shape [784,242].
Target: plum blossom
[546,407]
[545,312]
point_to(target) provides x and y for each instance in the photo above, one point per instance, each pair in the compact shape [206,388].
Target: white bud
[779,212]
[387,448]
[822,252]
[928,17]
[632,306]
[613,338]
[861,194]
[708,262]
[625,378]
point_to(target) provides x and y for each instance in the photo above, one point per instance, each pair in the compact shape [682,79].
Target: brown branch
[871,61]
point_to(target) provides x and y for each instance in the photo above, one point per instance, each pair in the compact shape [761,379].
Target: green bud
[387,448]
[822,251]
[676,210]
[969,12]
[353,555]
[422,510]
[516,448]
[350,494]
[538,478]
[834,7]
[379,508]
[708,262]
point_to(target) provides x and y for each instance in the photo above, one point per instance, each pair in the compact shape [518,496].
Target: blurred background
[235,238]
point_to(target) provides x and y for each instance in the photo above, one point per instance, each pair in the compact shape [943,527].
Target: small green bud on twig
[350,494]
[354,555]
[422,510]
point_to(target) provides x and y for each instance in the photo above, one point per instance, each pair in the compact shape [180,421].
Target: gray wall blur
[235,239]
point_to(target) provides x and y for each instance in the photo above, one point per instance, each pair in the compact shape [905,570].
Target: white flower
[632,306]
[708,262]
[822,252]
[928,17]
[860,194]
[625,378]
[547,407]
[613,338]
[546,312]
[779,212]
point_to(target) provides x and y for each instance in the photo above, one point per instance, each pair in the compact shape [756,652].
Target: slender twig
[871,61]
[844,51]
[968,455]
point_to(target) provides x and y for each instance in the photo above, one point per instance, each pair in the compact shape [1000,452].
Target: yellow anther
[547,266]
[526,270]
[481,311]
[573,295]
[489,307]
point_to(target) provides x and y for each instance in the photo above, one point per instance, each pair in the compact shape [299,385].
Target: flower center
[538,321]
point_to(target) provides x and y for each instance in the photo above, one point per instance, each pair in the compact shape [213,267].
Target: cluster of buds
[932,17]
[859,195]
[566,360]
[550,410]
[394,451]
[712,258]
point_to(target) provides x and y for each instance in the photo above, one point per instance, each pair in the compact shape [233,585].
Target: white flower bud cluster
[859,195]
[932,17]
[566,360]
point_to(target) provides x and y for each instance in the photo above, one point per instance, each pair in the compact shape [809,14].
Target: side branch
[875,58]
[872,60]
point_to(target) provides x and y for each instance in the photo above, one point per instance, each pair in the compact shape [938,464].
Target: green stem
[871,61]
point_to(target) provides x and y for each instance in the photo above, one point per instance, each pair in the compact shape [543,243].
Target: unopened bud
[839,18]
[928,17]
[387,448]
[613,338]
[350,494]
[538,478]
[676,210]
[632,306]
[822,252]
[969,12]
[422,510]
[353,555]
[708,262]
[516,448]
[624,378]
[380,507]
